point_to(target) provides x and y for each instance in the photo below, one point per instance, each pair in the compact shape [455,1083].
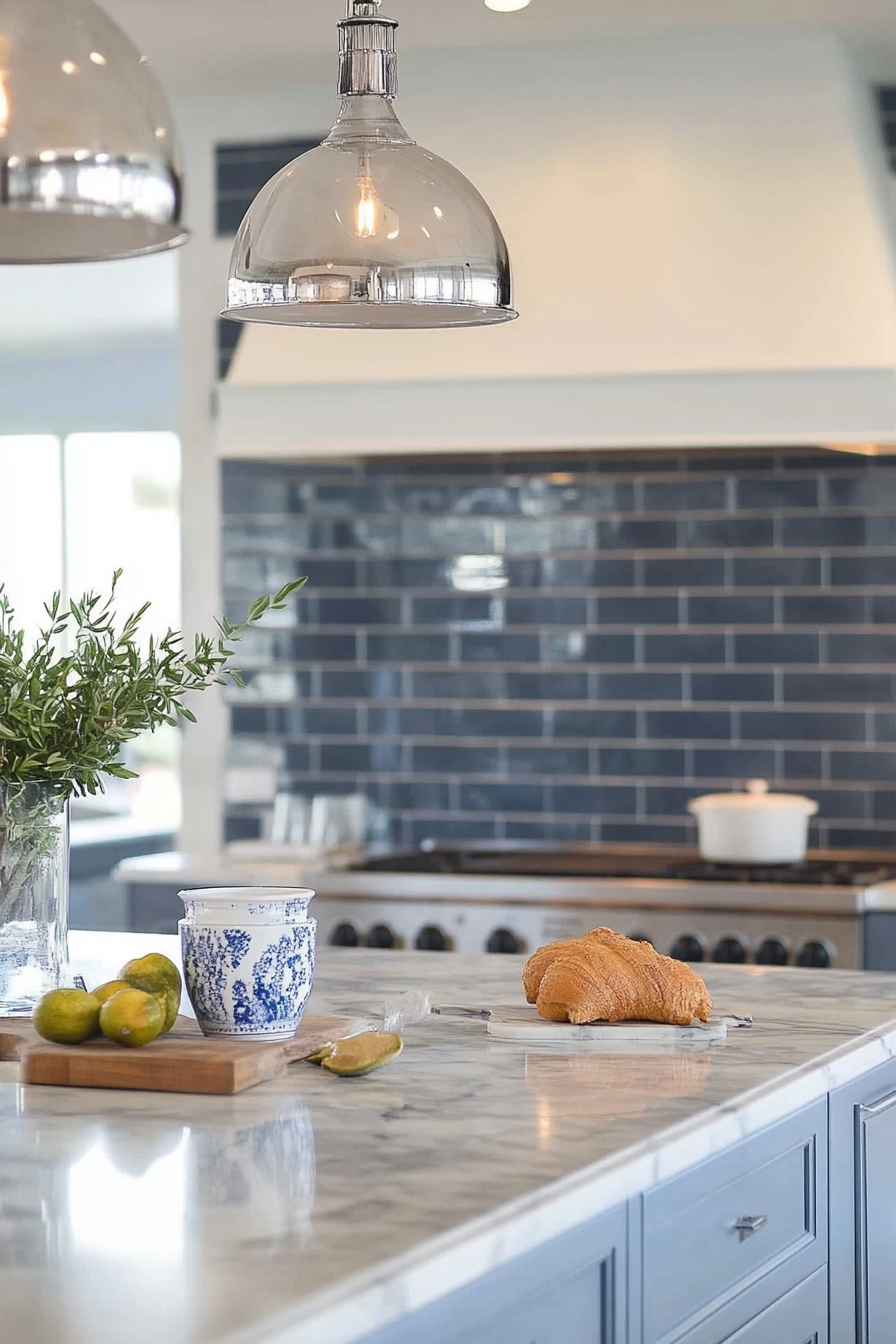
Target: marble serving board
[182,1061]
[513,1022]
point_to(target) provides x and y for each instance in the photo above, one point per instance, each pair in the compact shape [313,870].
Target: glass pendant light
[369,230]
[89,165]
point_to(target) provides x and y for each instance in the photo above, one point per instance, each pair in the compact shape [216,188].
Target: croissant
[604,976]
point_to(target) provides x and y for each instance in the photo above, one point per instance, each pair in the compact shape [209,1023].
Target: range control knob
[687,947]
[502,940]
[381,936]
[431,939]
[772,952]
[345,935]
[731,950]
[815,953]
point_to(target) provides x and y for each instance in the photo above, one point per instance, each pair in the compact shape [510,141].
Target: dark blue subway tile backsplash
[517,647]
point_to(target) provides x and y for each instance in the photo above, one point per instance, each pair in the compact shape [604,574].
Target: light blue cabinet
[571,1291]
[787,1238]
[863,1209]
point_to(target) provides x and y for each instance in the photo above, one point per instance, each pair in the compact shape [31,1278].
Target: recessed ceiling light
[506,6]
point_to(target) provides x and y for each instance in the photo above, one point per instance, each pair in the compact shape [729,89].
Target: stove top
[856,870]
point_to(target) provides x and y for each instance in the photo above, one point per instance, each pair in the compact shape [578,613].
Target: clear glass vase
[33,893]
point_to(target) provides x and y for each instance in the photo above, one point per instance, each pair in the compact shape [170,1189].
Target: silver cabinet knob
[748,1223]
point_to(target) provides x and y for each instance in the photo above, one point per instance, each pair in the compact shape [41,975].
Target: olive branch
[65,715]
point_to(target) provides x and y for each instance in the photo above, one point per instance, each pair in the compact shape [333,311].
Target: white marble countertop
[315,1209]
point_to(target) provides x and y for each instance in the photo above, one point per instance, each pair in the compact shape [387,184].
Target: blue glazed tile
[664,800]
[636,685]
[855,688]
[768,492]
[326,720]
[822,609]
[684,648]
[360,757]
[882,610]
[545,610]
[861,648]
[238,827]
[636,534]
[615,799]
[459,611]
[447,829]
[547,685]
[777,571]
[449,759]
[734,764]
[641,761]
[883,807]
[731,686]
[678,496]
[337,786]
[691,571]
[875,764]
[884,728]
[523,572]
[547,761]
[853,804]
[636,609]
[689,724]
[483,797]
[856,571]
[382,683]
[543,536]
[378,536]
[583,571]
[842,837]
[725,532]
[790,725]
[401,572]
[550,831]
[574,646]
[297,757]
[324,573]
[499,722]
[775,647]
[406,646]
[869,490]
[593,724]
[455,721]
[645,832]
[824,531]
[421,794]
[499,646]
[730,609]
[803,765]
[486,685]
[248,721]
[359,611]
[316,647]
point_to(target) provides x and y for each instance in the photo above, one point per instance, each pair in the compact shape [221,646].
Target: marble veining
[314,1210]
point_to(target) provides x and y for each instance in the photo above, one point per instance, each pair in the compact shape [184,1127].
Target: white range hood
[703,241]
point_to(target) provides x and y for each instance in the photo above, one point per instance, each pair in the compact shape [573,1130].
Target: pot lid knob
[757,787]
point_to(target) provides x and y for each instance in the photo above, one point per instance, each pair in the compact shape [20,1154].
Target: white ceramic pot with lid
[753,827]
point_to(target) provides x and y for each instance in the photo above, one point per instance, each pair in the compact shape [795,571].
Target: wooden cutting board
[182,1061]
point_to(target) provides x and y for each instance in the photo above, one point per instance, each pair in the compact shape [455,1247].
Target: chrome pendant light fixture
[89,166]
[369,230]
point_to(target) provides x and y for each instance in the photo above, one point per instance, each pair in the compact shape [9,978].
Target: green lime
[132,1017]
[156,974]
[104,992]
[66,1016]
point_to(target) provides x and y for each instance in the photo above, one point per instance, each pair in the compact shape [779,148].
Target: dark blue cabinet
[863,1209]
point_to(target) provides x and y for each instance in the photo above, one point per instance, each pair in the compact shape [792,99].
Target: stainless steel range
[835,909]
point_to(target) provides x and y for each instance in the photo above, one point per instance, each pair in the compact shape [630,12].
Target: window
[74,510]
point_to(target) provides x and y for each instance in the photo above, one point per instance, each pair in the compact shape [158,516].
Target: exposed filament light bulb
[369,207]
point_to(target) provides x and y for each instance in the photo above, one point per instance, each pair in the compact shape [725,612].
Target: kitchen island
[317,1210]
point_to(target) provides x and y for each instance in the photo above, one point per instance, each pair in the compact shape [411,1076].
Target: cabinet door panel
[876,1220]
[800,1317]
[863,1208]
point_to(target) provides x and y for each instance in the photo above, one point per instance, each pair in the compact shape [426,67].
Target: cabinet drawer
[750,1213]
[800,1317]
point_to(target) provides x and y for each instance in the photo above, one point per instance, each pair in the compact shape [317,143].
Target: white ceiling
[241,45]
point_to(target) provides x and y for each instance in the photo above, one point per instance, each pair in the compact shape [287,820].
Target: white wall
[701,203]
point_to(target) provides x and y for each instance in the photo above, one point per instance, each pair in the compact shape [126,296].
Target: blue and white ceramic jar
[248,979]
